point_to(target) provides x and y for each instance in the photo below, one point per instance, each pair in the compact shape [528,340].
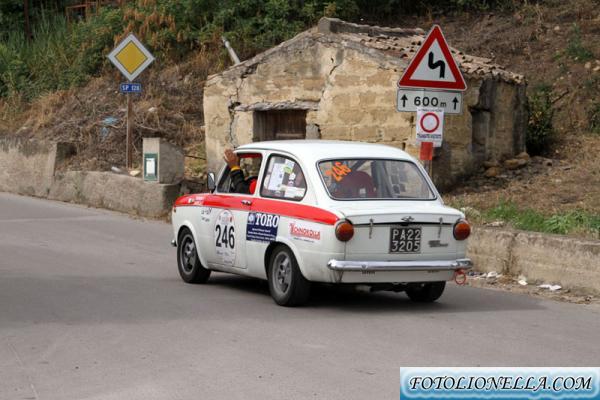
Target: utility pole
[26,15]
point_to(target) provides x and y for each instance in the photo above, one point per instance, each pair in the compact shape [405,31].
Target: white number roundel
[224,237]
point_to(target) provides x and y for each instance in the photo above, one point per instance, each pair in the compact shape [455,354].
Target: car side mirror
[210,182]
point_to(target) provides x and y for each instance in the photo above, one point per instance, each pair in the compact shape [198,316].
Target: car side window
[245,181]
[283,179]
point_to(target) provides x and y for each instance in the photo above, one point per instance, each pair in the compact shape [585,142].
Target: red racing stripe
[270,206]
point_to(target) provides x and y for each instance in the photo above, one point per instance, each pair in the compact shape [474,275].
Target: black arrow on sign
[455,101]
[403,98]
[438,64]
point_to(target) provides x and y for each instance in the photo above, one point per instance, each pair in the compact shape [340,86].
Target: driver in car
[238,183]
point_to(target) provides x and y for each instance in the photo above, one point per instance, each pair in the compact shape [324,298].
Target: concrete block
[114,192]
[490,249]
[570,262]
[170,160]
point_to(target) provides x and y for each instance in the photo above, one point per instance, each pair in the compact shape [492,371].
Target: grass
[572,222]
[594,118]
[575,48]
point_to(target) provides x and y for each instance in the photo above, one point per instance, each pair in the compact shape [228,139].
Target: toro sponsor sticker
[225,237]
[305,231]
[262,227]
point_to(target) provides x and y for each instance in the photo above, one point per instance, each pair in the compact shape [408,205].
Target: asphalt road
[92,307]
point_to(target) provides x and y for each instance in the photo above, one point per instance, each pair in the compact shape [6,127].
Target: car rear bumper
[435,265]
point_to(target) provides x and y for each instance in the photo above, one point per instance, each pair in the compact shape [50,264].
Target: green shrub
[594,118]
[575,48]
[540,131]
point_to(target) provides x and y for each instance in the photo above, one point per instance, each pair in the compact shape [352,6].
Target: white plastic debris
[492,275]
[552,288]
[522,279]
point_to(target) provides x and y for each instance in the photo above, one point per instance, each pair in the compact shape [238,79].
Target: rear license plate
[405,240]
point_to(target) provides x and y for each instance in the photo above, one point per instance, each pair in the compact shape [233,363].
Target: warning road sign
[433,67]
[131,57]
[430,125]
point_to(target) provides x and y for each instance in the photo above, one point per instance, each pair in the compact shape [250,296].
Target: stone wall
[30,167]
[114,192]
[27,166]
[572,263]
[349,93]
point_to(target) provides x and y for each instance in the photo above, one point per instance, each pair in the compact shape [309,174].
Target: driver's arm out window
[249,167]
[283,179]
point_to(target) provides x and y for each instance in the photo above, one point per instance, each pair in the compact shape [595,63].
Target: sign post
[431,86]
[131,58]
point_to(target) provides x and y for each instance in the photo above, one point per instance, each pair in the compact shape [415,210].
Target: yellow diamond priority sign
[131,57]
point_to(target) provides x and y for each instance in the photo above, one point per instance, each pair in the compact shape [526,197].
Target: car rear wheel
[287,285]
[188,262]
[426,292]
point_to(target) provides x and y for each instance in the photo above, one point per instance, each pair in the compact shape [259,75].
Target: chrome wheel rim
[282,273]
[188,254]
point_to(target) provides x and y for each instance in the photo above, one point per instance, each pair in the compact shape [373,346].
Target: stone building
[339,81]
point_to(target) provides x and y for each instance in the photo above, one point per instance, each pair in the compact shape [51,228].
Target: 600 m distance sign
[410,100]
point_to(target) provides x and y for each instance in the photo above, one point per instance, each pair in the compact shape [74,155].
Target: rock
[492,172]
[523,156]
[587,65]
[515,163]
[152,110]
[135,172]
[557,28]
[596,69]
[491,163]
[496,224]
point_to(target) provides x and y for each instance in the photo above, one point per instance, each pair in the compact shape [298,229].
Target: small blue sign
[262,227]
[130,88]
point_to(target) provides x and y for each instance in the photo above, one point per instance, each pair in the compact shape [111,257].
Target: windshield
[349,179]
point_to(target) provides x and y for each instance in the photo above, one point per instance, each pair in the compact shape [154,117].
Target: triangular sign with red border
[433,67]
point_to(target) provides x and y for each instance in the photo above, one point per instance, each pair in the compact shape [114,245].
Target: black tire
[426,292]
[188,262]
[287,285]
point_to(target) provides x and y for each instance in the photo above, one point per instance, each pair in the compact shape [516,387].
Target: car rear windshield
[374,179]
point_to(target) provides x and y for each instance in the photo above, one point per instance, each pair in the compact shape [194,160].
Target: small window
[283,179]
[250,166]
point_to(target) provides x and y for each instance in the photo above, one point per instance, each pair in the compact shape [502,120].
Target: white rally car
[323,211]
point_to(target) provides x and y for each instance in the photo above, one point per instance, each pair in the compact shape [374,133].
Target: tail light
[344,231]
[462,229]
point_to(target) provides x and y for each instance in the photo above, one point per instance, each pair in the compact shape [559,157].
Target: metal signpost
[131,58]
[431,86]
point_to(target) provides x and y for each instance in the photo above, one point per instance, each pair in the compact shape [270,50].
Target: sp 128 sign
[130,87]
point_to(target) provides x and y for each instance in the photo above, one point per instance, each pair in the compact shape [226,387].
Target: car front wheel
[426,292]
[188,261]
[287,285]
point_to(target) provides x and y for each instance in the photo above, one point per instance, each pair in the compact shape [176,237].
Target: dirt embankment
[555,44]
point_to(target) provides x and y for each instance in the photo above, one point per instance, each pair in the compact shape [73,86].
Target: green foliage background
[61,56]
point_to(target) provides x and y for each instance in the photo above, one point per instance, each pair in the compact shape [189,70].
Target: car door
[229,213]
[282,185]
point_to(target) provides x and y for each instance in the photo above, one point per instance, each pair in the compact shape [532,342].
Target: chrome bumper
[443,265]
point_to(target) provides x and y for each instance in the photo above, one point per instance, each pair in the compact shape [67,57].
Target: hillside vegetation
[58,84]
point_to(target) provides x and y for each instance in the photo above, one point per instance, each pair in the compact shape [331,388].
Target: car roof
[314,150]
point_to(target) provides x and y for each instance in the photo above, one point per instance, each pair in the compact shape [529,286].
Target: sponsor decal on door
[262,227]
